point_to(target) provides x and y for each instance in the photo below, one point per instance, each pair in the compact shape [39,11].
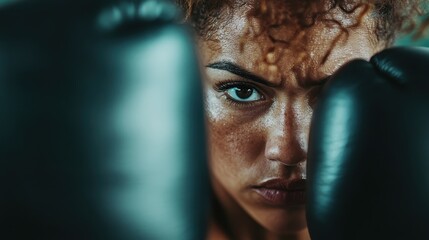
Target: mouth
[282,192]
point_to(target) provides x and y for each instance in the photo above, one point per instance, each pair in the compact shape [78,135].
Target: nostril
[287,155]
[293,161]
[299,168]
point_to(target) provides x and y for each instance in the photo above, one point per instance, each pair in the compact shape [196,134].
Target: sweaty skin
[258,130]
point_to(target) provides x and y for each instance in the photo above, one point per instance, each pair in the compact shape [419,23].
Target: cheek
[236,147]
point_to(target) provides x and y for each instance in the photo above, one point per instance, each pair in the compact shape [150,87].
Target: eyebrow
[237,70]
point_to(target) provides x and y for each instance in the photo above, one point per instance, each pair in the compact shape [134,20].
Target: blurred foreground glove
[368,159]
[102,129]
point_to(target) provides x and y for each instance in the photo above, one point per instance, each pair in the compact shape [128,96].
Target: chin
[286,221]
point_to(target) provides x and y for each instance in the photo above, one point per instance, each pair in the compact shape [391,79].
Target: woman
[265,62]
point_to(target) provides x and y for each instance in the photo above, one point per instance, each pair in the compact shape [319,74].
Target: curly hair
[394,17]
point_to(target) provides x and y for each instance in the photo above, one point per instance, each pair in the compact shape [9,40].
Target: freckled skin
[251,143]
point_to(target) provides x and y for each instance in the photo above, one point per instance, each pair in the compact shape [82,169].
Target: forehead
[286,51]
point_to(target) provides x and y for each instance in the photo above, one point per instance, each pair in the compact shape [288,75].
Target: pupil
[244,92]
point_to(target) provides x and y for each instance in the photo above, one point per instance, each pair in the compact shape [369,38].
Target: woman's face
[259,98]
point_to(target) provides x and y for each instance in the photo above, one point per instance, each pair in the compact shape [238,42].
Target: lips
[281,192]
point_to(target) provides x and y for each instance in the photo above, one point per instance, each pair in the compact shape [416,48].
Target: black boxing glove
[102,130]
[368,157]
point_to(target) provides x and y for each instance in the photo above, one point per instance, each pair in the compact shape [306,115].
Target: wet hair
[393,17]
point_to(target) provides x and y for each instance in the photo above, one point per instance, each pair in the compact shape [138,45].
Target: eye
[243,93]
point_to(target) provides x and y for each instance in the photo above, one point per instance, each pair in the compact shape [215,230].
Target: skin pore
[259,98]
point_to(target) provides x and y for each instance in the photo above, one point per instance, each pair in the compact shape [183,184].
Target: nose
[287,138]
